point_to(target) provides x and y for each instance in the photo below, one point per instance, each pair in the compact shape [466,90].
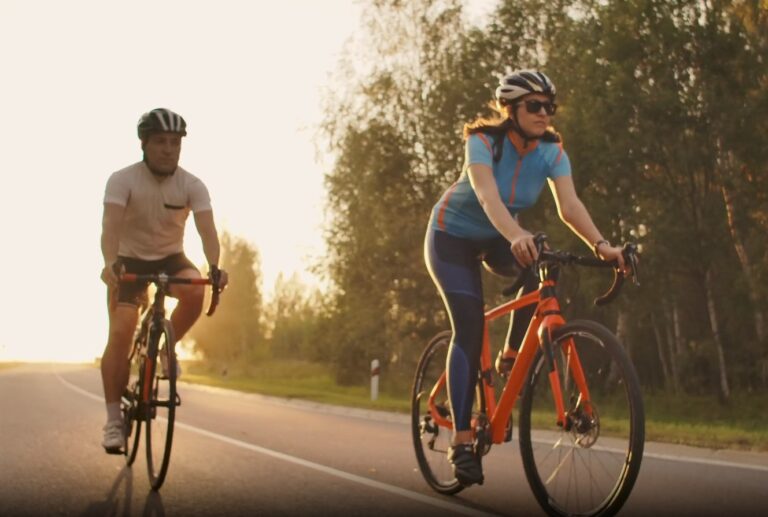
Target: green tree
[295,315]
[663,112]
[393,158]
[235,332]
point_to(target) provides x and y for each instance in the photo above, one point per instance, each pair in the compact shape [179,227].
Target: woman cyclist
[507,161]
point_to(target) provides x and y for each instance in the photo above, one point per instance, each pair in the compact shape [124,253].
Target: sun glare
[73,91]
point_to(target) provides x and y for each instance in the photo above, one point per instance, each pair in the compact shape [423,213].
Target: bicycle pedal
[115,450]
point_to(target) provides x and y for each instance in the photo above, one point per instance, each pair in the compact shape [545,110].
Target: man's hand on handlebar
[219,277]
[110,275]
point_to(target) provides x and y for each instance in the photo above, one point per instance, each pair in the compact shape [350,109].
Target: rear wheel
[161,412]
[430,439]
[589,465]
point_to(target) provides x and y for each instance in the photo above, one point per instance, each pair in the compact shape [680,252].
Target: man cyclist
[146,206]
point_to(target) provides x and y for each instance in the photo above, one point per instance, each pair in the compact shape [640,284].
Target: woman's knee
[468,320]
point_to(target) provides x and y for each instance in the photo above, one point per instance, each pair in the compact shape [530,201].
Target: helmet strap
[519,130]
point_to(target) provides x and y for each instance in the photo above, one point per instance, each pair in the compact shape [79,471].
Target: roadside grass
[689,420]
[8,366]
[702,421]
[293,379]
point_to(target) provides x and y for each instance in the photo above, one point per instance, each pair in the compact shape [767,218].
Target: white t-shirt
[156,209]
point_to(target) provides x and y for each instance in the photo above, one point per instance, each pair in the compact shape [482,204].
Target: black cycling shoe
[504,364]
[466,464]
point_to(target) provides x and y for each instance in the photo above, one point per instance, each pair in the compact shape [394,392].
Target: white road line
[704,461]
[308,464]
[679,459]
[338,473]
[646,455]
[79,390]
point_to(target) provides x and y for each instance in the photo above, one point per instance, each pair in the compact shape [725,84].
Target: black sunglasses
[532,106]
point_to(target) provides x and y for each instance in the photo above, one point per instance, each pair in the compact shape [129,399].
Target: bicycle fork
[571,363]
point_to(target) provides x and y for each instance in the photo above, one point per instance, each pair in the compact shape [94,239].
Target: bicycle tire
[589,469]
[430,440]
[130,404]
[161,411]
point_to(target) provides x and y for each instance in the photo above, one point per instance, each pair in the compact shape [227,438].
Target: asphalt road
[242,454]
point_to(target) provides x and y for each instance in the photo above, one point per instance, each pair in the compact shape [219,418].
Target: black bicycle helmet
[161,120]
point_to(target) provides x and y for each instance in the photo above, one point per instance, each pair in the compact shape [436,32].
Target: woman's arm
[484,185]
[575,215]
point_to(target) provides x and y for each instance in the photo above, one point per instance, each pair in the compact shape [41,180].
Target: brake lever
[215,275]
[630,255]
[540,241]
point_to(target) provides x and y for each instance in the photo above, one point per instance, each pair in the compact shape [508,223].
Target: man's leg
[115,369]
[114,362]
[190,303]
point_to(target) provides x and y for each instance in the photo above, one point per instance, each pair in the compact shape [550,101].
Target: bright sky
[77,75]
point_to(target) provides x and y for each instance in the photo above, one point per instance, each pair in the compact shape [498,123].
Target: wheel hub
[584,425]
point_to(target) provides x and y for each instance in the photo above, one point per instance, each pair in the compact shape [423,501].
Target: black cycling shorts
[135,293]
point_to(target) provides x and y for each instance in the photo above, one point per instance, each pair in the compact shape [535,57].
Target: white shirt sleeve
[118,189]
[199,199]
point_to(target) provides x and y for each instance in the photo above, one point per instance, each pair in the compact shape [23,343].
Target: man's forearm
[211,248]
[209,236]
[110,244]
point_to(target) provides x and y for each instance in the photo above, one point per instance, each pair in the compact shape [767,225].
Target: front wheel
[161,410]
[588,465]
[130,404]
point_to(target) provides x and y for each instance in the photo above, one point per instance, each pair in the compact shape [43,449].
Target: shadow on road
[119,496]
[154,505]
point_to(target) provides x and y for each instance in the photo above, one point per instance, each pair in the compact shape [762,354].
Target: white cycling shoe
[114,439]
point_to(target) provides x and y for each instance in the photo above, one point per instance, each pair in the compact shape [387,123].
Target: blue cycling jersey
[519,175]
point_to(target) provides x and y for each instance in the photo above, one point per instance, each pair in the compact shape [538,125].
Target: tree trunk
[679,348]
[622,327]
[746,265]
[661,346]
[621,334]
[725,392]
[674,342]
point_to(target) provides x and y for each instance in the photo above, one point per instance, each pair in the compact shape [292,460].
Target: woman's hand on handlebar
[610,253]
[524,249]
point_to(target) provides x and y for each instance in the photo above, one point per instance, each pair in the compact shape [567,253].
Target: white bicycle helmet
[524,82]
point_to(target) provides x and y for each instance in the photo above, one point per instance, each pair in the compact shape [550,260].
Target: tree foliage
[664,113]
[296,318]
[235,332]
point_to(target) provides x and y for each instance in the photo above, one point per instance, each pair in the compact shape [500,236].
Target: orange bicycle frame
[546,320]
